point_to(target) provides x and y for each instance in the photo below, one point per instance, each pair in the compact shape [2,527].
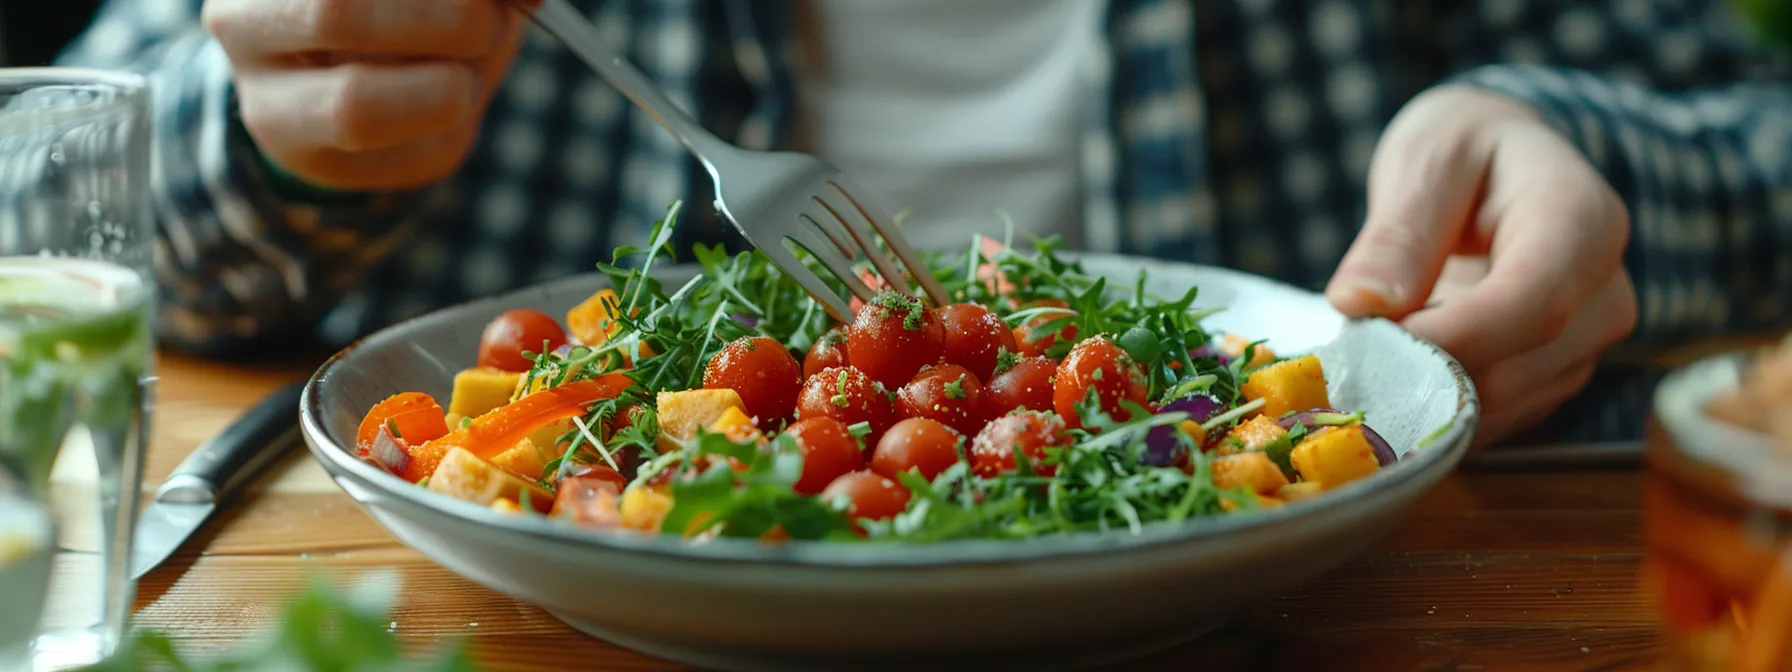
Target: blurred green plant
[324,629]
[1771,20]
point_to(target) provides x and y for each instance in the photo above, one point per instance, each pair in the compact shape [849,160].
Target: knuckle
[1554,317]
[1396,241]
[332,21]
[223,20]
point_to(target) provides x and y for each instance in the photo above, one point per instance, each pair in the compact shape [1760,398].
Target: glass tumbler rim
[15,80]
[1724,459]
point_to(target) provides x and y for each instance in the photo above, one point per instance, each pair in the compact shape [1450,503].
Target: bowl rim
[1442,453]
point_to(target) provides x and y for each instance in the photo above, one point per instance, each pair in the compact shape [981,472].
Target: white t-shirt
[952,108]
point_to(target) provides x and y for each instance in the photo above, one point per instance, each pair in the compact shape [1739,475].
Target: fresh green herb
[324,629]
[752,501]
[392,428]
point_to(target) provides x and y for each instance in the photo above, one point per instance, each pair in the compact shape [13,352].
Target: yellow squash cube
[462,475]
[737,426]
[524,461]
[1234,345]
[1291,385]
[682,413]
[481,389]
[1334,456]
[1255,471]
[1194,431]
[644,508]
[1256,434]
[1294,492]
[592,321]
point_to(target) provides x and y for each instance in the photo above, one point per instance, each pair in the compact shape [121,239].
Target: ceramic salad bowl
[1064,601]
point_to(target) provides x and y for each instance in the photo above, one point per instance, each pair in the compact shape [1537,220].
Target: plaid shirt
[1233,132]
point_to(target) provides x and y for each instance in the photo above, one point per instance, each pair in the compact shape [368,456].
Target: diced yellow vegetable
[1334,456]
[591,321]
[1294,492]
[462,475]
[644,507]
[479,390]
[1233,346]
[506,506]
[681,413]
[737,426]
[548,437]
[1263,502]
[1255,434]
[1254,471]
[453,420]
[525,461]
[1194,431]
[1292,385]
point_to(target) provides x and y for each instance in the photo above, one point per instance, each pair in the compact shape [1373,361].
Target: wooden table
[1493,571]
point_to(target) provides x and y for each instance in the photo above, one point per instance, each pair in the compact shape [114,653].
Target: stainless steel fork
[775,199]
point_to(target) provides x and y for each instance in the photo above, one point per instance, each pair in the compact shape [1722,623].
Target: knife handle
[226,462]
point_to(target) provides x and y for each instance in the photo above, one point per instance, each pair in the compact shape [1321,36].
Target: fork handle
[572,28]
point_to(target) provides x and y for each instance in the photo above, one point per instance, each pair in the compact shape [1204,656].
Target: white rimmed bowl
[1055,602]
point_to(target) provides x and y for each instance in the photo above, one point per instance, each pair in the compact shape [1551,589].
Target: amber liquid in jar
[1719,562]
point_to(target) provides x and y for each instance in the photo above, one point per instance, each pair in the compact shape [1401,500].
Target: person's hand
[365,94]
[1489,235]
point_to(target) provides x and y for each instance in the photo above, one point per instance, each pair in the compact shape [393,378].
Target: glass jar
[1717,521]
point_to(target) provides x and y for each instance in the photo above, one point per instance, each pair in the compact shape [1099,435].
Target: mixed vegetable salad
[1042,401]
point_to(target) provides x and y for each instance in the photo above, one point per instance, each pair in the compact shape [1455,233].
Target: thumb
[1422,192]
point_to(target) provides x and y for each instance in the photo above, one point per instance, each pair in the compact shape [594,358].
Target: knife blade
[213,473]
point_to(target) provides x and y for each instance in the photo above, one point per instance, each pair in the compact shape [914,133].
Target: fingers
[1423,189]
[1522,390]
[1560,238]
[414,164]
[1518,414]
[359,106]
[258,30]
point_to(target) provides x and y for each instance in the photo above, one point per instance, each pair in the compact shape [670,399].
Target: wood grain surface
[1492,571]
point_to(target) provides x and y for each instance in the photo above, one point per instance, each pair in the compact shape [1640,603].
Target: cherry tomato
[519,330]
[916,443]
[763,372]
[871,280]
[829,452]
[992,452]
[1024,383]
[894,337]
[829,351]
[1037,348]
[946,393]
[870,495]
[974,337]
[1100,365]
[848,395]
[589,501]
[595,472]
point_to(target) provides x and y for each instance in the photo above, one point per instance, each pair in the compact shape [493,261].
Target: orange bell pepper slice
[505,426]
[416,415]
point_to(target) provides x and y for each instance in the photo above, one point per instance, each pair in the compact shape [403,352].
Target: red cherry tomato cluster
[929,387]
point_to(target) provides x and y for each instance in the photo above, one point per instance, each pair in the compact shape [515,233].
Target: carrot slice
[417,415]
[505,426]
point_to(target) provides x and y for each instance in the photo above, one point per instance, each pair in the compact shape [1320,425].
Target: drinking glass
[1717,521]
[76,294]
